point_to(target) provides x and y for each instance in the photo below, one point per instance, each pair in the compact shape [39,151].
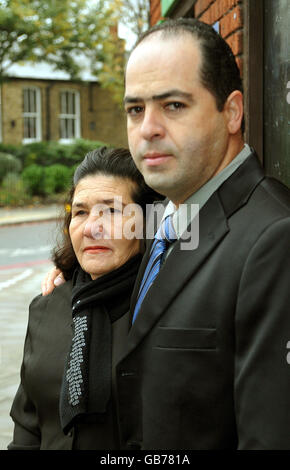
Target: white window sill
[30,141]
[68,141]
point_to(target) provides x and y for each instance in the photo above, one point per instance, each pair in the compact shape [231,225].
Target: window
[69,115]
[31,115]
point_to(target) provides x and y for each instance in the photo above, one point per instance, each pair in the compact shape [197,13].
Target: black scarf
[86,383]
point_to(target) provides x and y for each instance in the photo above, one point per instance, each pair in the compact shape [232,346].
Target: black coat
[205,364]
[35,409]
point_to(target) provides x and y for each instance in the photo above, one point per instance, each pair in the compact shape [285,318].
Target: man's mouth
[156,158]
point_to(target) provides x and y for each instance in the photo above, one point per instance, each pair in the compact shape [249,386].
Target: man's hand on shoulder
[53,279]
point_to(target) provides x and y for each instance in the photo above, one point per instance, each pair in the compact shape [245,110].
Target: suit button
[127,374]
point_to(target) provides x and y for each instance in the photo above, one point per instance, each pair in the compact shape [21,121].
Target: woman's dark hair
[219,72]
[104,161]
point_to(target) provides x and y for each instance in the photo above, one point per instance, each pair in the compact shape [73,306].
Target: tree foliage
[63,32]
[56,32]
[136,14]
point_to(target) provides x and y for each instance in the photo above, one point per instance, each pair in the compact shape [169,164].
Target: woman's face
[100,232]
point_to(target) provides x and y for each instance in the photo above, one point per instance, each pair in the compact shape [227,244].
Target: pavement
[14,302]
[21,215]
[14,305]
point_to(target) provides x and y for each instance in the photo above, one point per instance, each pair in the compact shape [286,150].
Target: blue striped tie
[164,236]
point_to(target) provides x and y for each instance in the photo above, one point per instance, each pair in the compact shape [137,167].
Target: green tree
[111,75]
[57,32]
[136,14]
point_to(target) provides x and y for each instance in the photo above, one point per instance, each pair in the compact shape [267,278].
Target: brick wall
[155,11]
[229,15]
[101,118]
[11,113]
[227,12]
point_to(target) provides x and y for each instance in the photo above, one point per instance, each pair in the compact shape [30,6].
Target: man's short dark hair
[219,71]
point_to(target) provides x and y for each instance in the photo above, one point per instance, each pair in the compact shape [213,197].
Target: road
[24,261]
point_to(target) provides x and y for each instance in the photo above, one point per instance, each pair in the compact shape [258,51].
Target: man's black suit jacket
[205,364]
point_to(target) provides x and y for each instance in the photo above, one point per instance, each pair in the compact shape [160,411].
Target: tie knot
[166,231]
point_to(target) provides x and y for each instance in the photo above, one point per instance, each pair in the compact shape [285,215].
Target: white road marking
[24,251]
[15,279]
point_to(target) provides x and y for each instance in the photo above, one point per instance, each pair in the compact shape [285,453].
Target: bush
[72,172]
[13,191]
[48,168]
[9,148]
[81,147]
[8,164]
[11,180]
[56,178]
[49,153]
[18,151]
[46,153]
[33,178]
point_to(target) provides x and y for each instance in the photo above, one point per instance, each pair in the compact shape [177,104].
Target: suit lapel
[173,276]
[213,227]
[149,220]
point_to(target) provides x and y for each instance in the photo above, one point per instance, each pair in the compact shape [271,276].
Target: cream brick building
[47,106]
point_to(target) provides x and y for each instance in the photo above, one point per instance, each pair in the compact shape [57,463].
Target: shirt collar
[185,213]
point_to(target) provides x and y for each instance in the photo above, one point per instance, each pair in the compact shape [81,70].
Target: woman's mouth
[97,249]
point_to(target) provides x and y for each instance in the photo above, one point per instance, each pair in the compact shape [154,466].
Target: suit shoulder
[276,195]
[63,291]
[277,191]
[59,298]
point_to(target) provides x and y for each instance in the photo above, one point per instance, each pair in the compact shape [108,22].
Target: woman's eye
[78,213]
[113,210]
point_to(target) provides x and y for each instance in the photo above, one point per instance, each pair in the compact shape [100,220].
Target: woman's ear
[234,111]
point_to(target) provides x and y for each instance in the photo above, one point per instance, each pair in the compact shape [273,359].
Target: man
[204,365]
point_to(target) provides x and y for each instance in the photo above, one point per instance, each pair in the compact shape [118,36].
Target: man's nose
[152,127]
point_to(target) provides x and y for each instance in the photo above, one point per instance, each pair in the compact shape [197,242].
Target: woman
[65,399]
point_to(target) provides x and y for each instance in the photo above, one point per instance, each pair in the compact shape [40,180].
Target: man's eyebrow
[162,96]
[171,93]
[132,99]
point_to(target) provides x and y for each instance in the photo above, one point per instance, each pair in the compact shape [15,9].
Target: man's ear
[234,110]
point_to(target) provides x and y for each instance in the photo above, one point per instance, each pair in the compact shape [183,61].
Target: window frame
[36,115]
[76,116]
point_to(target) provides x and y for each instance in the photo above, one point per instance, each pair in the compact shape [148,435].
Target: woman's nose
[93,228]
